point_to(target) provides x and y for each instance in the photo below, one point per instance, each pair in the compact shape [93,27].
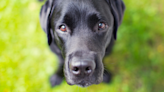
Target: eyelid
[103,21]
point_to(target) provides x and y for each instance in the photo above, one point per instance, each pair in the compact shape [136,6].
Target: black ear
[45,15]
[117,8]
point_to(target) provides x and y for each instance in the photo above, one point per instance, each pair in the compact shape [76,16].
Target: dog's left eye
[63,28]
[102,26]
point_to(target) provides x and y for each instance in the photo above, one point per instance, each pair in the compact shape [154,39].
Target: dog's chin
[84,83]
[81,84]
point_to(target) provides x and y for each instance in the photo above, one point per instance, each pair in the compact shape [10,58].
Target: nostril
[76,70]
[88,70]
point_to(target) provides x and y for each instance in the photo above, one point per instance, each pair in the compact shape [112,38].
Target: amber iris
[63,28]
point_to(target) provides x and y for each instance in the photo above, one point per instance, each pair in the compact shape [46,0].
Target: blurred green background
[136,62]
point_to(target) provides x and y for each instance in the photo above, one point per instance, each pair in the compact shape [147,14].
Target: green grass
[137,63]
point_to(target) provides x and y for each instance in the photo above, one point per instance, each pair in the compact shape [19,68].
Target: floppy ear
[117,8]
[45,15]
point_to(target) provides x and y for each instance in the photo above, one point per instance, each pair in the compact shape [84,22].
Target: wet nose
[82,67]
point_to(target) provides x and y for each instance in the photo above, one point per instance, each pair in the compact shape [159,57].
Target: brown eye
[63,28]
[101,26]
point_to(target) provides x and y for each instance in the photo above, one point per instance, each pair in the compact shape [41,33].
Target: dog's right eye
[63,28]
[102,26]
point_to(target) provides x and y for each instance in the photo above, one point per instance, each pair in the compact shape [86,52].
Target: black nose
[82,67]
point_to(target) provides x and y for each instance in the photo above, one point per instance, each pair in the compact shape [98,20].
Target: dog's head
[82,30]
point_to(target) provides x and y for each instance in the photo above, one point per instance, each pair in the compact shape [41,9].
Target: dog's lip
[70,83]
[81,83]
[84,84]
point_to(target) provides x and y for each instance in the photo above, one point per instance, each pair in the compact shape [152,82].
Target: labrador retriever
[81,33]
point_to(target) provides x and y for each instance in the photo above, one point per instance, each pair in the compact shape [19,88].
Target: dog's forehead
[79,6]
[88,6]
[74,8]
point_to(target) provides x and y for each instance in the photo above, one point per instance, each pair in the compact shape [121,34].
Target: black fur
[83,42]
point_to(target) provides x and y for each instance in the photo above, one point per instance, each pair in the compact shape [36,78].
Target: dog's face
[82,29]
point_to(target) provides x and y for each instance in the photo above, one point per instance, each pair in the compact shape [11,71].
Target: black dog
[80,33]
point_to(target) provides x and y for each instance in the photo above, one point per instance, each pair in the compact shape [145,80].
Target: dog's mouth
[83,83]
